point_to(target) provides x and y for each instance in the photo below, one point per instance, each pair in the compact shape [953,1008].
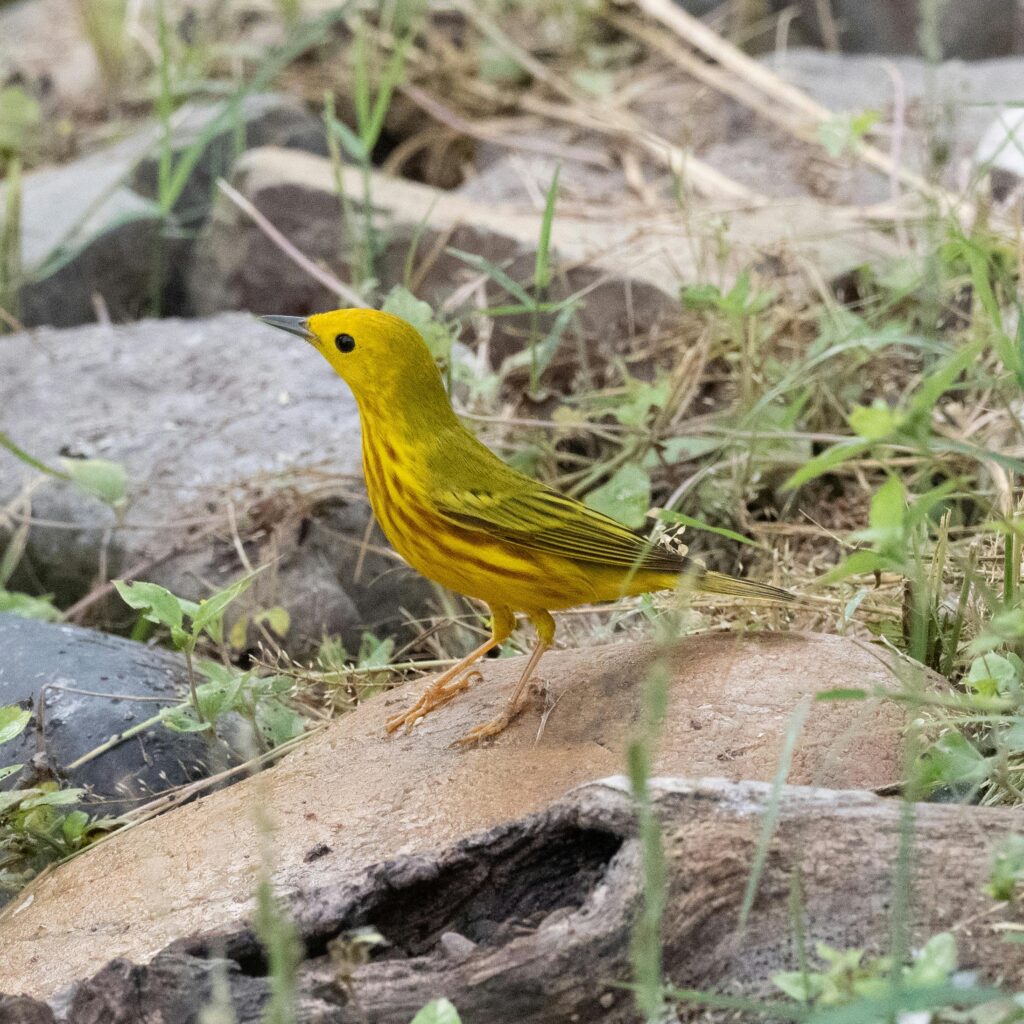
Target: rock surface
[98,686]
[530,922]
[217,422]
[351,797]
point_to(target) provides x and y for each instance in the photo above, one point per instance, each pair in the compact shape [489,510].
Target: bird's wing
[540,519]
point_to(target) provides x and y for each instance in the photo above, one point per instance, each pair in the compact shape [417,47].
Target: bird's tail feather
[720,583]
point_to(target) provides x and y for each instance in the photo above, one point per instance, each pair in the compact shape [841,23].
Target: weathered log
[530,921]
[353,796]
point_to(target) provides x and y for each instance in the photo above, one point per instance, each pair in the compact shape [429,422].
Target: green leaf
[12,722]
[935,963]
[875,422]
[74,826]
[993,675]
[217,697]
[798,985]
[9,769]
[210,611]
[53,798]
[105,480]
[677,449]
[277,722]
[952,760]
[827,460]
[625,497]
[156,603]
[701,297]
[374,653]
[858,563]
[28,607]
[183,719]
[439,1011]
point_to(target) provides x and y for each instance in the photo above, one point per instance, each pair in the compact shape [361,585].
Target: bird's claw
[485,731]
[433,697]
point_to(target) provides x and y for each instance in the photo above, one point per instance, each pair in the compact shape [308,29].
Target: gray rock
[947,110]
[94,226]
[960,95]
[215,421]
[968,29]
[127,684]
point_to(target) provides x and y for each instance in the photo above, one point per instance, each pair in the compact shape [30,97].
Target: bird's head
[382,358]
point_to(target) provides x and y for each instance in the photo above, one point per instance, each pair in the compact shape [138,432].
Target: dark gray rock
[94,227]
[215,421]
[127,684]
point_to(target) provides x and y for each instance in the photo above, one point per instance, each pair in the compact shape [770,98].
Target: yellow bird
[460,516]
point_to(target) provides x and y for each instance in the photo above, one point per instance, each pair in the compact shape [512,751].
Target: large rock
[215,421]
[633,266]
[351,797]
[93,227]
[96,687]
[530,922]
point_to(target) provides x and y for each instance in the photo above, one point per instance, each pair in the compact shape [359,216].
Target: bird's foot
[433,697]
[487,729]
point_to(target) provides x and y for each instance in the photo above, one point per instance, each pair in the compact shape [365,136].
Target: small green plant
[188,622]
[1007,877]
[371,101]
[849,975]
[38,825]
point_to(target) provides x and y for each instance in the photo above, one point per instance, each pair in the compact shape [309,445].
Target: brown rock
[367,797]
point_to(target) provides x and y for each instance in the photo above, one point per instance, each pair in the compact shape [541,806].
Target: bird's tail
[719,583]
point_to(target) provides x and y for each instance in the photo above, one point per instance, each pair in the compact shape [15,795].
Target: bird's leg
[456,679]
[545,626]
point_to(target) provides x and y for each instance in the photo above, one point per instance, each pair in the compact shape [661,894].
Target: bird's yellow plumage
[462,517]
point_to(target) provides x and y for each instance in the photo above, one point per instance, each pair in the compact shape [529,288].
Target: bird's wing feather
[541,519]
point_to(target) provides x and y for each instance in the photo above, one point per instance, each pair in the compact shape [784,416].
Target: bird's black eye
[344,343]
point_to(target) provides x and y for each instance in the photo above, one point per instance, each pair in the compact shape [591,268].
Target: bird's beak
[292,324]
